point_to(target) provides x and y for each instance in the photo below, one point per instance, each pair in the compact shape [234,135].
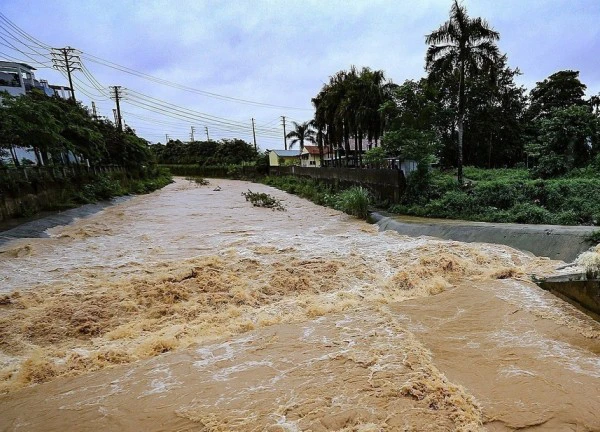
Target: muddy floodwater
[190,310]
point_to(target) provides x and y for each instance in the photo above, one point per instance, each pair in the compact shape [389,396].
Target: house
[310,156]
[61,91]
[283,157]
[338,152]
[18,79]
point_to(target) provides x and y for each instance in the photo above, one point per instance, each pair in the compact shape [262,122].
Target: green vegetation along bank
[504,195]
[355,200]
[45,190]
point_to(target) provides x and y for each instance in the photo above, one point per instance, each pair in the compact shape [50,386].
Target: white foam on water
[161,384]
[569,357]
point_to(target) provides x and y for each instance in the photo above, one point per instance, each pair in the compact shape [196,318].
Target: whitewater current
[190,309]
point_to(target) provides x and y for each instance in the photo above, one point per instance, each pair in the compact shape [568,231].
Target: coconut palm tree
[302,132]
[461,46]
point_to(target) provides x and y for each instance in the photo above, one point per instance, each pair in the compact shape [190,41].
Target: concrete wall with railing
[385,184]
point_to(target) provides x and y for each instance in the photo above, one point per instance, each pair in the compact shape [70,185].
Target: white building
[18,79]
[310,156]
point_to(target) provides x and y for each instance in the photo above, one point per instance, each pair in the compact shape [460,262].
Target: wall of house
[310,161]
[273,159]
[384,184]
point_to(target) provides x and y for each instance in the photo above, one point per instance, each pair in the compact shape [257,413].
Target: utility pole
[206,129]
[166,138]
[284,134]
[67,60]
[254,134]
[192,129]
[118,116]
[94,113]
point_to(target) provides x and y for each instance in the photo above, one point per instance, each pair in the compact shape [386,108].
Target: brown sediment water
[189,309]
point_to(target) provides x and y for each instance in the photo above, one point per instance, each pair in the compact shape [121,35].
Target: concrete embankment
[554,241]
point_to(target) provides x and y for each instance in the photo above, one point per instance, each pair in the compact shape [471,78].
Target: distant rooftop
[314,150]
[8,63]
[286,153]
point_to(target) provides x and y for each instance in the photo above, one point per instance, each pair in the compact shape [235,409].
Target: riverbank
[189,308]
[47,192]
[558,242]
[36,226]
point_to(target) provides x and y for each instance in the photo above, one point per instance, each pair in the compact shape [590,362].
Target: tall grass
[354,201]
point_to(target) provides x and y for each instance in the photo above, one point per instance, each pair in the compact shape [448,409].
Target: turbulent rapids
[189,309]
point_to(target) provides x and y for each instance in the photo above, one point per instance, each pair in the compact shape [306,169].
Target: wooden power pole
[254,135]
[116,96]
[284,134]
[66,59]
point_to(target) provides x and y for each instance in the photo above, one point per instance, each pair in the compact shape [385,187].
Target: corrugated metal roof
[286,153]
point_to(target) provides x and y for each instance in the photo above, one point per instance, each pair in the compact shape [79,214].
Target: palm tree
[302,132]
[462,46]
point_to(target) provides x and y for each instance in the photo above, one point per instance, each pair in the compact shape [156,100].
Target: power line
[66,59]
[207,117]
[162,81]
[180,115]
[26,35]
[158,105]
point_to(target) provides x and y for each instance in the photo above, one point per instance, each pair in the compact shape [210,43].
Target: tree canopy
[56,130]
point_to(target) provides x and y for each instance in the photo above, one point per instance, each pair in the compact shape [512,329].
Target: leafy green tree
[463,47]
[560,90]
[235,152]
[30,123]
[495,119]
[409,143]
[567,138]
[375,157]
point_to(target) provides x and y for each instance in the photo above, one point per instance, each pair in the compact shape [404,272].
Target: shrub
[261,199]
[354,201]
[530,213]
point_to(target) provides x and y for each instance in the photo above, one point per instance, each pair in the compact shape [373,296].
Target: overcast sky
[280,52]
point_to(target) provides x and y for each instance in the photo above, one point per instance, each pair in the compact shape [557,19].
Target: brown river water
[190,310]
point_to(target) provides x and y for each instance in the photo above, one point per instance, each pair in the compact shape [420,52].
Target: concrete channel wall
[554,241]
[385,184]
[29,190]
[577,290]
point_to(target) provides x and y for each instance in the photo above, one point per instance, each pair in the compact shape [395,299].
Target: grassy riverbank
[355,200]
[504,195]
[500,195]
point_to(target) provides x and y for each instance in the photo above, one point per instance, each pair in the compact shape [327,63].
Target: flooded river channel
[190,310]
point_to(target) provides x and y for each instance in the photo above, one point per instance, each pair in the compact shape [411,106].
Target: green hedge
[508,195]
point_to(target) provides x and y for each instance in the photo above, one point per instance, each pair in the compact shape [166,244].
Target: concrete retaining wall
[25,191]
[577,290]
[386,184]
[554,241]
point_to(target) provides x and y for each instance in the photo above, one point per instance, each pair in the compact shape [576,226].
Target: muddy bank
[558,242]
[189,309]
[35,227]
